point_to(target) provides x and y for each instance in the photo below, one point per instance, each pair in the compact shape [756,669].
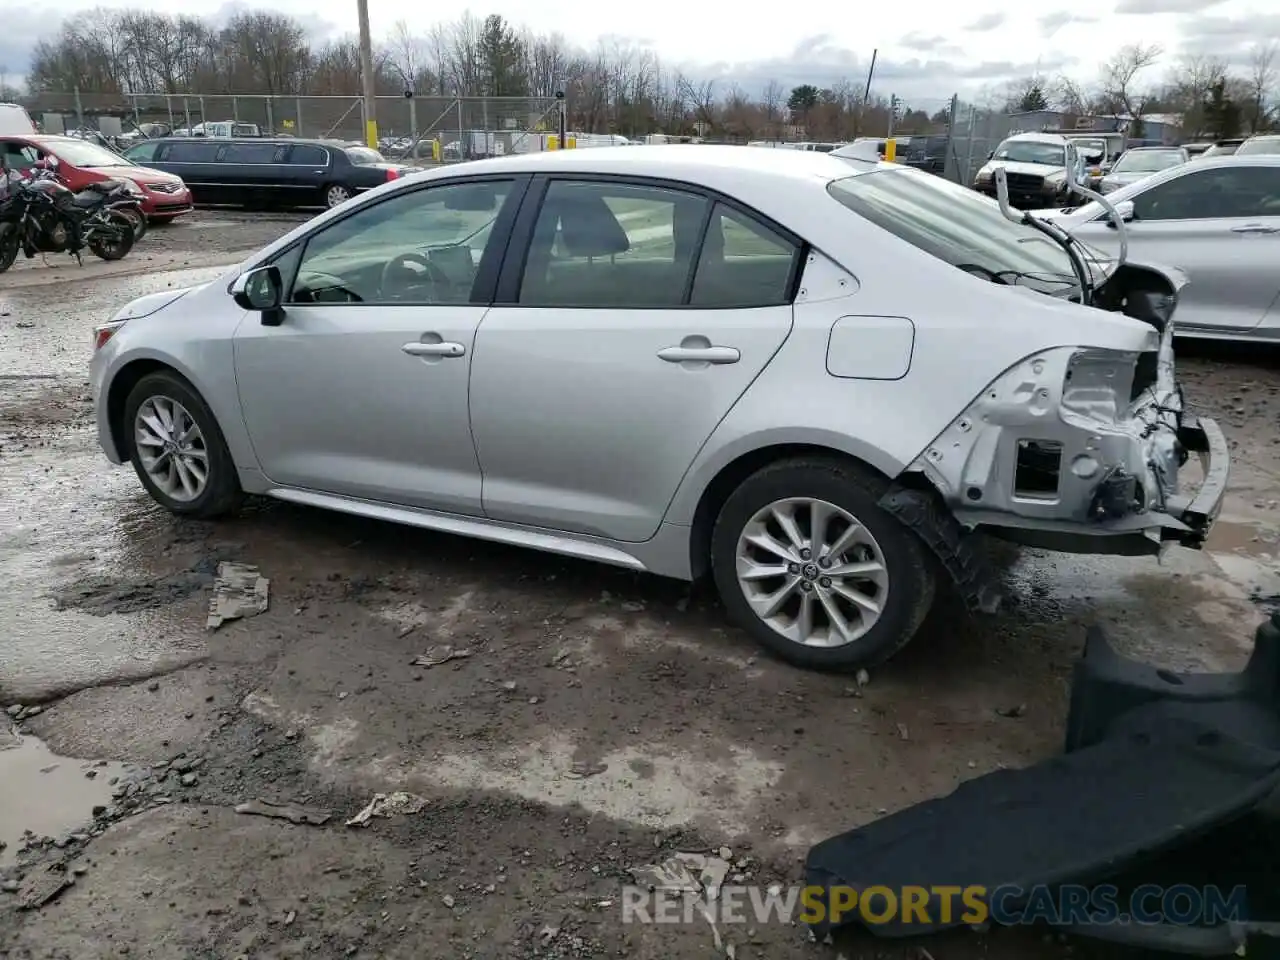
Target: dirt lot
[601,722]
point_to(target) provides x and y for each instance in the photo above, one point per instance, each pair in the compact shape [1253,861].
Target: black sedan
[261,171]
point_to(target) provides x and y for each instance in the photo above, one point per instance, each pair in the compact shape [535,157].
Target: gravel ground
[601,721]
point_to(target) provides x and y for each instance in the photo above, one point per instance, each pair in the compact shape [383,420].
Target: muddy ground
[601,722]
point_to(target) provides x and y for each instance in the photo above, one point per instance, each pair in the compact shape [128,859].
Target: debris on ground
[41,886]
[440,654]
[239,592]
[862,678]
[1012,712]
[580,771]
[685,873]
[294,813]
[388,805]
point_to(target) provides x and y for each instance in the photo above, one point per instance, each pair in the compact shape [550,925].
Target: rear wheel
[806,561]
[115,240]
[336,194]
[8,247]
[177,449]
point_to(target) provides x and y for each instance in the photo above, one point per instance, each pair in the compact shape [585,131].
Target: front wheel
[814,569]
[177,449]
[113,239]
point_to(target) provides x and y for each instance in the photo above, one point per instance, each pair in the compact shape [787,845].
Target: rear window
[305,155]
[364,156]
[1259,146]
[958,226]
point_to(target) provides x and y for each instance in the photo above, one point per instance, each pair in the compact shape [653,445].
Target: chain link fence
[974,134]
[445,129]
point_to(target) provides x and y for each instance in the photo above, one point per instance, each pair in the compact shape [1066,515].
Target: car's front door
[621,337]
[1221,225]
[362,389]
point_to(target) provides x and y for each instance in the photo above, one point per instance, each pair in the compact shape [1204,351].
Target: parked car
[796,372]
[1036,167]
[1218,219]
[271,171]
[926,153]
[1196,149]
[163,196]
[1222,148]
[1138,163]
[221,129]
[1262,144]
[15,121]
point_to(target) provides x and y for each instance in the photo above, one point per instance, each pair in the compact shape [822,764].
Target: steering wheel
[404,263]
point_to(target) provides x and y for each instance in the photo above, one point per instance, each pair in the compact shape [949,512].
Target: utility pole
[866,94]
[367,77]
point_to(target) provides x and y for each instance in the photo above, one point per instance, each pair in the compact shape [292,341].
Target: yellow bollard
[371,134]
[891,150]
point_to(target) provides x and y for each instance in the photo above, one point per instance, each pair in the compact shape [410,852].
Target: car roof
[280,141]
[1152,147]
[1039,137]
[704,163]
[1262,136]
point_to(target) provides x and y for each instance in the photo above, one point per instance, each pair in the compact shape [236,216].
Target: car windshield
[1030,151]
[1147,161]
[1259,145]
[82,153]
[1221,150]
[960,227]
[364,156]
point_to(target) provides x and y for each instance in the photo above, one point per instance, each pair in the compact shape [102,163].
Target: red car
[81,163]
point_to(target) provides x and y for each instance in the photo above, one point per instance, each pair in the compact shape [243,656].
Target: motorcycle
[40,215]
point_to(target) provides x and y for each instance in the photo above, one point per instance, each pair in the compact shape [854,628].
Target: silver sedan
[1218,220]
[1139,163]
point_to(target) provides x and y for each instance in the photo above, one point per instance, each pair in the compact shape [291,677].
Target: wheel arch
[122,384]
[731,475]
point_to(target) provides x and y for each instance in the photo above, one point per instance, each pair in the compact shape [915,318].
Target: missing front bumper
[1197,514]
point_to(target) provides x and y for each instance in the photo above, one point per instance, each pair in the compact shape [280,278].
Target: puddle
[47,794]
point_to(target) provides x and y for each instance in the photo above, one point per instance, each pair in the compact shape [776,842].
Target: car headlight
[135,189]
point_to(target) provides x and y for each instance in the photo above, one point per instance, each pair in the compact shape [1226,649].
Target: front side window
[1147,161]
[612,245]
[958,226]
[422,247]
[1031,151]
[192,152]
[1211,194]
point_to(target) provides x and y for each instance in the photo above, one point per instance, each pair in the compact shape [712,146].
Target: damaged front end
[1078,448]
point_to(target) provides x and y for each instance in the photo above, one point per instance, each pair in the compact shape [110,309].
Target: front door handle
[446,349]
[699,355]
[1255,228]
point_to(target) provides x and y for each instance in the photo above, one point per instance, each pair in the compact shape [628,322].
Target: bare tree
[1261,83]
[772,100]
[1119,78]
[406,55]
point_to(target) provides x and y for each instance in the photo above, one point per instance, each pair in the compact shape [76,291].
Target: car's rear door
[1221,225]
[631,316]
[195,161]
[254,170]
[308,167]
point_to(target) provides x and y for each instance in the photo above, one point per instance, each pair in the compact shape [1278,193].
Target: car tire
[168,399]
[335,194]
[882,561]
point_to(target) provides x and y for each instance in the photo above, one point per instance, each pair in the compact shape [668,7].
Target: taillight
[104,333]
[392,174]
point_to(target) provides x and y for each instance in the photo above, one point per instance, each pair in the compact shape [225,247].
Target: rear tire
[8,249]
[198,479]
[849,595]
[335,194]
[118,247]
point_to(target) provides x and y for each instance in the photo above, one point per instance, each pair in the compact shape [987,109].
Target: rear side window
[743,264]
[305,155]
[143,152]
[253,153]
[190,153]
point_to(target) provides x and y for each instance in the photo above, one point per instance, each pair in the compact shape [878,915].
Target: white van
[15,121]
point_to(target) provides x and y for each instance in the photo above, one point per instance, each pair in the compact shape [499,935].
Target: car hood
[154,303]
[139,174]
[1039,169]
[1124,179]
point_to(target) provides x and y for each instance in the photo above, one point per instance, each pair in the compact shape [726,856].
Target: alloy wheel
[337,195]
[172,448]
[811,572]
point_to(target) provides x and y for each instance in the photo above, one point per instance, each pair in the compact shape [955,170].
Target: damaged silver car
[810,377]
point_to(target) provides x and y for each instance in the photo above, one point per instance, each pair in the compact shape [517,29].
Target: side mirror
[261,291]
[991,156]
[1125,209]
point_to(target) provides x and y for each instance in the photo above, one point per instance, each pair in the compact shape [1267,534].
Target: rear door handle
[699,355]
[1255,228]
[446,349]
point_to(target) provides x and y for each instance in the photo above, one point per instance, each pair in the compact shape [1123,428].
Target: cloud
[1231,39]
[988,21]
[1164,6]
[925,82]
[1051,23]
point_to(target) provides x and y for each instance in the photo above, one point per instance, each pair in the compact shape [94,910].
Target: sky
[928,49]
